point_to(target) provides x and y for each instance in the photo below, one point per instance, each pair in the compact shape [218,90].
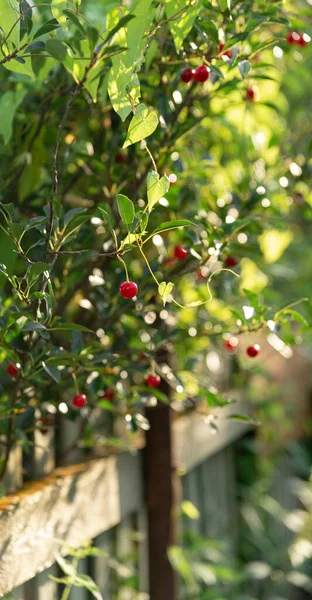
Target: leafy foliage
[94,119]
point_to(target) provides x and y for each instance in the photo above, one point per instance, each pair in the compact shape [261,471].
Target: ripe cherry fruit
[231,261]
[128,289]
[180,252]
[250,94]
[120,157]
[186,75]
[227,53]
[231,344]
[253,351]
[79,401]
[201,74]
[109,394]
[153,380]
[13,369]
[293,37]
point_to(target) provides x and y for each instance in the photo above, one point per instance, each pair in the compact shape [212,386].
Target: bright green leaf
[57,8]
[125,209]
[123,83]
[190,510]
[164,290]
[156,188]
[9,103]
[9,22]
[167,225]
[182,25]
[143,124]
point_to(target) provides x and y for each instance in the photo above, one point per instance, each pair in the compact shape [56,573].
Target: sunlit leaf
[143,124]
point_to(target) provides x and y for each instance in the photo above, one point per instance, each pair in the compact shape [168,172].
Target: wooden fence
[104,500]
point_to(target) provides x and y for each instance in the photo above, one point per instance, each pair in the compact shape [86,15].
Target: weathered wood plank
[101,568]
[72,504]
[193,441]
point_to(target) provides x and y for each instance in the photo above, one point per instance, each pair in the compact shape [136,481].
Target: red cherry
[186,75]
[109,394]
[302,41]
[293,38]
[79,401]
[153,380]
[13,369]
[227,53]
[180,252]
[170,261]
[250,94]
[201,74]
[128,289]
[120,157]
[231,344]
[253,351]
[231,261]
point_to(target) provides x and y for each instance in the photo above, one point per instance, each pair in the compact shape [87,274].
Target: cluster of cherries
[231,345]
[296,39]
[200,74]
[80,400]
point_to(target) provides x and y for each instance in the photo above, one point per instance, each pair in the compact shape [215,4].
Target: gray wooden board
[72,504]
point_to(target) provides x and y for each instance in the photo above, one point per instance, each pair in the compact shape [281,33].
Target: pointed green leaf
[244,67]
[9,22]
[123,83]
[57,8]
[143,124]
[182,25]
[125,209]
[164,290]
[56,49]
[9,103]
[52,371]
[167,225]
[156,188]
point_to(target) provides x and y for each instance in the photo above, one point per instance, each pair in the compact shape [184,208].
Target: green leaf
[56,49]
[70,327]
[66,566]
[35,270]
[156,188]
[144,15]
[50,25]
[244,419]
[293,314]
[244,67]
[182,25]
[88,583]
[9,22]
[167,225]
[72,213]
[125,209]
[164,290]
[75,19]
[57,8]
[143,124]
[9,103]
[190,510]
[224,5]
[33,326]
[34,222]
[52,371]
[123,83]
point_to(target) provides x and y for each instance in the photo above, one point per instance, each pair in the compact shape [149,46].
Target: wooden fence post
[160,497]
